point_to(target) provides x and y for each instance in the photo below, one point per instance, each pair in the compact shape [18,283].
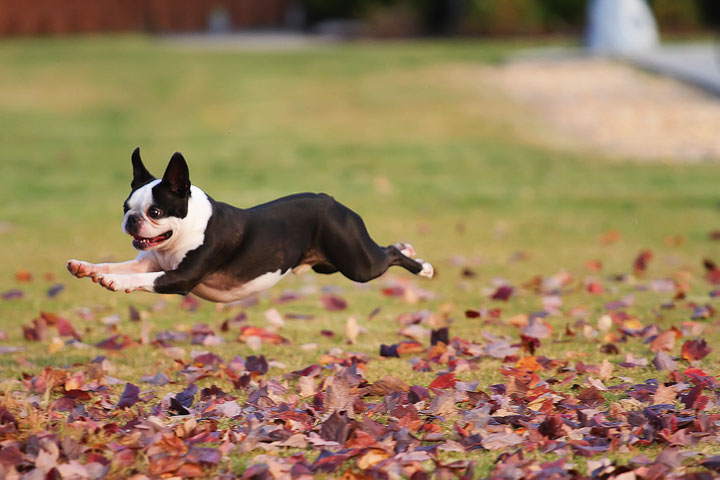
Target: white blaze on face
[138,204]
[187,233]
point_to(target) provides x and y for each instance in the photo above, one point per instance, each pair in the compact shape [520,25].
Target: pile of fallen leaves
[551,416]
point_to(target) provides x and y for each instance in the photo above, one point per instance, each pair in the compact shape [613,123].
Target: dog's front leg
[180,281]
[129,282]
[143,263]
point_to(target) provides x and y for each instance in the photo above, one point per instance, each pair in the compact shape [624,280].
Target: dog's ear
[140,174]
[177,176]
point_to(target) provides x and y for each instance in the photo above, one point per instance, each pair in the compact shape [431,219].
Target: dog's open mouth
[143,243]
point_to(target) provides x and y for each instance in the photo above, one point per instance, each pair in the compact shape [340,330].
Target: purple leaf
[129,396]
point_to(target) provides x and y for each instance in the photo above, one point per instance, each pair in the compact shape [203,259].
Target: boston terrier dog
[189,242]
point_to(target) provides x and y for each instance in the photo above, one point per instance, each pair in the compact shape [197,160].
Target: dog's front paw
[81,269]
[115,283]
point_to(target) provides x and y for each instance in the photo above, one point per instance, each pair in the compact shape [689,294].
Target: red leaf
[641,261]
[713,273]
[333,302]
[393,291]
[409,346]
[594,265]
[446,380]
[503,293]
[11,456]
[65,328]
[695,350]
[266,337]
[190,303]
[470,313]
[23,276]
[37,332]
[595,288]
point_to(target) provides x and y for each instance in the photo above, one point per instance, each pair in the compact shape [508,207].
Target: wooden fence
[53,17]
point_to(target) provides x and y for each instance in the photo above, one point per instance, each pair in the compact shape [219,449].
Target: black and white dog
[189,242]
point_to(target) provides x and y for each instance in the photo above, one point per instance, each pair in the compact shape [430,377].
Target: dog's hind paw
[427,269]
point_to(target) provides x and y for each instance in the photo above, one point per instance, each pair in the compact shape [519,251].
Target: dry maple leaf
[695,350]
[664,394]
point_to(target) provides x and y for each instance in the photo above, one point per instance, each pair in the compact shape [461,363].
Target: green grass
[410,135]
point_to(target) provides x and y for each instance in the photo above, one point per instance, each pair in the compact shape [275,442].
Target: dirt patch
[616,108]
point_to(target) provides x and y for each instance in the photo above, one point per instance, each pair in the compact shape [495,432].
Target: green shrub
[564,15]
[677,15]
[400,19]
[503,17]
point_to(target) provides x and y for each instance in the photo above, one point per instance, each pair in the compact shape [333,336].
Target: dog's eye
[154,212]
[125,208]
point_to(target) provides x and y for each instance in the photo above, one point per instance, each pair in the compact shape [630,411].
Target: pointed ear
[177,176]
[140,174]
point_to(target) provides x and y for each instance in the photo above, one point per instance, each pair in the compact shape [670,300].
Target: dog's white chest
[218,289]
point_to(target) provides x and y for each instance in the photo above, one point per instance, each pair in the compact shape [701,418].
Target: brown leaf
[371,458]
[665,341]
[591,397]
[352,329]
[664,394]
[552,427]
[387,384]
[336,428]
[443,404]
[338,396]
[663,361]
[190,470]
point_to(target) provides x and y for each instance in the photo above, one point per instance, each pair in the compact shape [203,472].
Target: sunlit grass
[410,135]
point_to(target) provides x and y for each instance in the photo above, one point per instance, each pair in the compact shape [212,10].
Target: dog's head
[156,208]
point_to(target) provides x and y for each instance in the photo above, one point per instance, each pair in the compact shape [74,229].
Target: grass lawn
[412,137]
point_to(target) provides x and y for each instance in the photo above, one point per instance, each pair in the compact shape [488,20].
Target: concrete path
[695,63]
[250,40]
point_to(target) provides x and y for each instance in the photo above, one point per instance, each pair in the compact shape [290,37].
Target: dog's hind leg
[349,249]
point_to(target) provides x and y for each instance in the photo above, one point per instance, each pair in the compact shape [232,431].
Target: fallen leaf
[665,394]
[444,381]
[387,384]
[333,302]
[129,396]
[665,341]
[274,318]
[695,350]
[662,361]
[371,458]
[265,336]
[352,329]
[503,293]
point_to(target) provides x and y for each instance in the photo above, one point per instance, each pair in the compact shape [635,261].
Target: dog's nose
[132,220]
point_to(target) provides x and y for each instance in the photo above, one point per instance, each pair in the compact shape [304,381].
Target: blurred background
[511,137]
[376,18]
